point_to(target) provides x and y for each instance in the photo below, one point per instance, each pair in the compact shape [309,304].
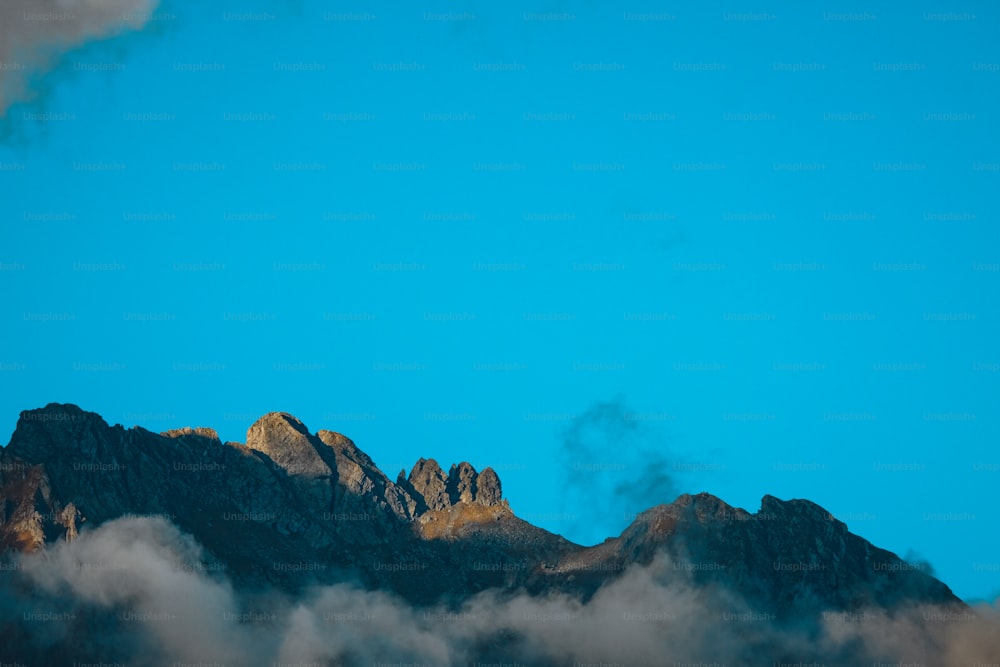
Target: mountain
[290,510]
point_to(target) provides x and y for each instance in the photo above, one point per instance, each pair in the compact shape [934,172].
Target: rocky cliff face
[289,496]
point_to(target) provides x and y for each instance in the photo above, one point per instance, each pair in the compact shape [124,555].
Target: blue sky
[767,236]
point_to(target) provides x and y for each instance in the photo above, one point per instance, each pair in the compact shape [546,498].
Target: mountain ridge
[291,496]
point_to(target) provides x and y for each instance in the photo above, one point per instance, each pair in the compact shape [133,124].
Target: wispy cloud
[616,463]
[34,34]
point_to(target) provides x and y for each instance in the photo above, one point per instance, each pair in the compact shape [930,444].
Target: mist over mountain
[294,548]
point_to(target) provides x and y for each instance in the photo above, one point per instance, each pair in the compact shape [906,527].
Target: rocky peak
[42,433]
[199,432]
[345,447]
[336,440]
[461,483]
[58,413]
[429,482]
[488,489]
[361,483]
[796,510]
[287,442]
[785,557]
[461,486]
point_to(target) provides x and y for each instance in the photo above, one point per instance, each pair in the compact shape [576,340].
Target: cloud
[615,464]
[136,591]
[914,558]
[147,572]
[924,635]
[35,33]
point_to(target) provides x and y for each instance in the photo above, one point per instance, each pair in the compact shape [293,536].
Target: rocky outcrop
[488,489]
[24,507]
[29,514]
[287,442]
[208,434]
[462,485]
[362,486]
[430,484]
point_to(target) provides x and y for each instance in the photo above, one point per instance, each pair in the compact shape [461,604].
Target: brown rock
[462,483]
[286,441]
[429,481]
[488,489]
[198,432]
[362,484]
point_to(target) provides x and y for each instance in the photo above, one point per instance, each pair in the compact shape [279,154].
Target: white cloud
[650,615]
[35,33]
